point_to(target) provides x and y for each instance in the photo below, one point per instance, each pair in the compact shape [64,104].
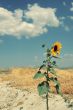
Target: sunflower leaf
[43,88]
[38,75]
[56,57]
[52,71]
[50,79]
[42,66]
[58,89]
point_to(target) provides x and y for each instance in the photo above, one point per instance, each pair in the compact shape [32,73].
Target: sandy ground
[12,98]
[18,90]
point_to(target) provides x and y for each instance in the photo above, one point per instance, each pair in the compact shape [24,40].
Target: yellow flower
[55,50]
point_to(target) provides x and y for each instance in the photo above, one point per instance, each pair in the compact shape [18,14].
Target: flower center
[55,48]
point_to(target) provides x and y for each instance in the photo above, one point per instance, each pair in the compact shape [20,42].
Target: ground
[18,90]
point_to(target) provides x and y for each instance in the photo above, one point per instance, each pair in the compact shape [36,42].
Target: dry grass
[23,77]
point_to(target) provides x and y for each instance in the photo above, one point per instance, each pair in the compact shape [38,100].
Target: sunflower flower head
[56,48]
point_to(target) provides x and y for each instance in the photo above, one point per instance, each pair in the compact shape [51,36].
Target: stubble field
[23,78]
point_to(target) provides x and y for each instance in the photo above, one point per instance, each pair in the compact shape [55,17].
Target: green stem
[47,101]
[47,93]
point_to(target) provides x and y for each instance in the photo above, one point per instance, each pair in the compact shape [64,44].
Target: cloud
[71,9]
[62,18]
[64,26]
[42,16]
[64,3]
[17,23]
[71,17]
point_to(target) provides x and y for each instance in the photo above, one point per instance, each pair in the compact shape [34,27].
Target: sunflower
[55,50]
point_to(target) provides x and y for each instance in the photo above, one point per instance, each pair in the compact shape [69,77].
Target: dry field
[18,90]
[23,78]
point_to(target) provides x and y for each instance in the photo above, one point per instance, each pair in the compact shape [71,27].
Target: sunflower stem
[47,107]
[47,101]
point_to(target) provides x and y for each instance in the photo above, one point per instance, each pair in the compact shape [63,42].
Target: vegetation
[50,74]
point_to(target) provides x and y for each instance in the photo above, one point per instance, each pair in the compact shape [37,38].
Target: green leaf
[44,61]
[38,75]
[42,66]
[54,64]
[56,82]
[48,53]
[58,89]
[43,88]
[57,86]
[56,57]
[52,71]
[50,79]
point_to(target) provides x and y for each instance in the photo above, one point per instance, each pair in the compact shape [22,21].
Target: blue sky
[26,24]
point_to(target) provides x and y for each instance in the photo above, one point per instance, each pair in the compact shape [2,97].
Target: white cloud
[64,3]
[66,28]
[18,13]
[71,9]
[42,16]
[71,17]
[14,23]
[62,18]
[63,23]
